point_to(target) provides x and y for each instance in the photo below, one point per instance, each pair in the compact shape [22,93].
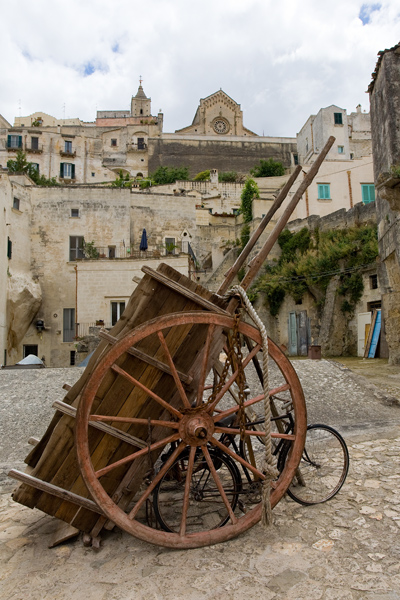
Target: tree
[164,175]
[202,176]
[21,165]
[268,168]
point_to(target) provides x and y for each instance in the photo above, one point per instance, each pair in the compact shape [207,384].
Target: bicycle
[321,474]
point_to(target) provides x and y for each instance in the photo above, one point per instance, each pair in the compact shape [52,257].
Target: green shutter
[20,141]
[368,193]
[9,141]
[72,171]
[61,170]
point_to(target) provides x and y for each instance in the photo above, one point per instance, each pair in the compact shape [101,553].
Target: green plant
[21,165]
[165,175]
[241,273]
[249,192]
[309,260]
[268,168]
[395,171]
[122,181]
[244,235]
[202,176]
[230,177]
[89,250]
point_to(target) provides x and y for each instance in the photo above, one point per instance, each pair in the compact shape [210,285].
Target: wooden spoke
[174,372]
[168,463]
[131,457]
[188,481]
[219,484]
[170,408]
[203,373]
[242,461]
[153,422]
[232,431]
[230,411]
[233,378]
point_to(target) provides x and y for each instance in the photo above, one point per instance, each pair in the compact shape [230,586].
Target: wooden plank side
[154,301]
[69,471]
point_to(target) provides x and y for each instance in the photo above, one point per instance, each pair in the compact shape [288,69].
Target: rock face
[384,93]
[23,302]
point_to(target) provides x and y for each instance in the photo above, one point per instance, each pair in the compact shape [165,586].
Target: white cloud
[280,61]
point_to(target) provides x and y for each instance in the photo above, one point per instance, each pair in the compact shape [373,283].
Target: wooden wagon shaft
[257,262]
[54,490]
[233,271]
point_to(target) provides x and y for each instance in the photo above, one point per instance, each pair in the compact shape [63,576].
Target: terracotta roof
[378,64]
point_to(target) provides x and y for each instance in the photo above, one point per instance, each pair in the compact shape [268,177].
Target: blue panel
[375,335]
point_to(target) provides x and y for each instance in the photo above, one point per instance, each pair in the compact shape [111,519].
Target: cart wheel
[168,404]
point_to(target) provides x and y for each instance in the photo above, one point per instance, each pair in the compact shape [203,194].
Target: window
[16,203]
[340,149]
[296,159]
[111,251]
[368,192]
[67,171]
[68,324]
[30,349]
[141,111]
[9,248]
[117,308]
[338,118]
[324,191]
[72,358]
[35,166]
[68,147]
[34,143]
[113,143]
[74,213]
[93,174]
[140,144]
[76,247]
[169,245]
[373,282]
[14,141]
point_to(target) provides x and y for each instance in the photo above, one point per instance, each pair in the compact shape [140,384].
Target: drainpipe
[350,190]
[50,153]
[76,300]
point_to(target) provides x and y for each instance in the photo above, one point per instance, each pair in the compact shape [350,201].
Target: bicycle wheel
[206,509]
[323,467]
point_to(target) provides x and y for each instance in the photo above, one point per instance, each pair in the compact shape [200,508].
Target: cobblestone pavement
[346,549]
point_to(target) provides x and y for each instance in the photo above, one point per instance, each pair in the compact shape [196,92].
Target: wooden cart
[143,404]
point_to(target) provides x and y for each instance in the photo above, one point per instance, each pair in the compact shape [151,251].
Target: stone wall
[385,120]
[201,153]
[329,327]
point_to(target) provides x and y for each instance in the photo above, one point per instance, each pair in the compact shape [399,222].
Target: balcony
[124,252]
[136,147]
[67,154]
[34,150]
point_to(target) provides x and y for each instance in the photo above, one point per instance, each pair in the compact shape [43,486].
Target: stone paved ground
[348,548]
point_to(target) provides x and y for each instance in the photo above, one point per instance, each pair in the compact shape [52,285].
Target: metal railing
[118,252]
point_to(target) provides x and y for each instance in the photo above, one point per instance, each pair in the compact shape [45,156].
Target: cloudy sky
[281,61]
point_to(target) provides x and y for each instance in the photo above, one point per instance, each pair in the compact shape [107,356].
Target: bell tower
[140,104]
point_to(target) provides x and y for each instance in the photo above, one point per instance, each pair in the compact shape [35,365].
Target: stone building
[384,92]
[133,141]
[346,175]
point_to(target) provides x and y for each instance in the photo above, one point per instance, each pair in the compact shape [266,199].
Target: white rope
[269,468]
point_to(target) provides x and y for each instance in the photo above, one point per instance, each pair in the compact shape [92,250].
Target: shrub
[268,168]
